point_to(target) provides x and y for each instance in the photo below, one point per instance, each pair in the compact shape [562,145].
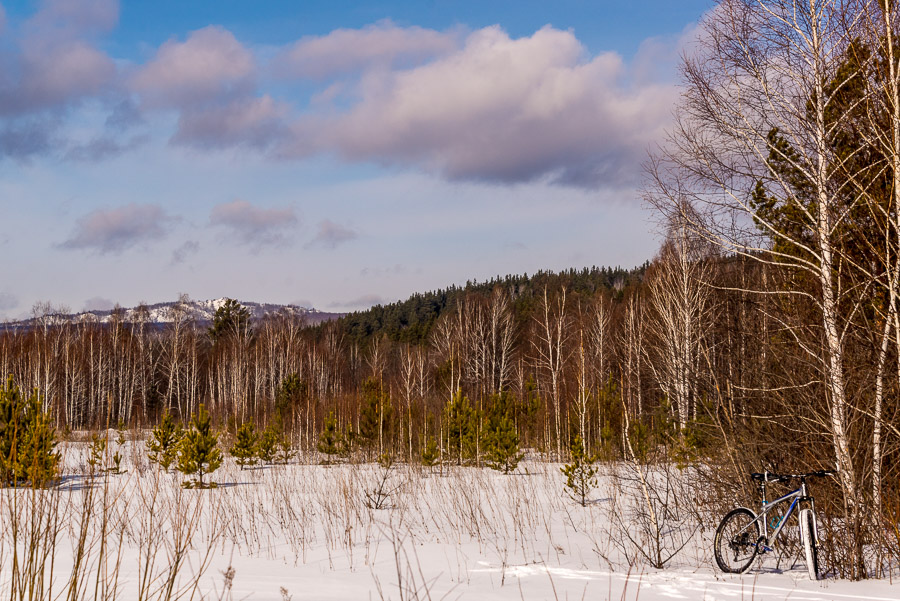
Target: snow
[305,529]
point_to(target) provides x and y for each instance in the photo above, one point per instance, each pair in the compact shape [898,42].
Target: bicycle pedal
[762,546]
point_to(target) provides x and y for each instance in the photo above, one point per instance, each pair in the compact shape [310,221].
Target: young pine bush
[267,445]
[198,452]
[244,448]
[27,441]
[330,440]
[162,446]
[462,428]
[500,439]
[431,454]
[581,475]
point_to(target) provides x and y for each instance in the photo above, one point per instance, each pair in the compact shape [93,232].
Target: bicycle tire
[809,536]
[735,545]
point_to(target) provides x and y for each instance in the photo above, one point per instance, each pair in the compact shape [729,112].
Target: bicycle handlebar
[772,477]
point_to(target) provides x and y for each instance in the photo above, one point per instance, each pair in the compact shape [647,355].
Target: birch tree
[752,150]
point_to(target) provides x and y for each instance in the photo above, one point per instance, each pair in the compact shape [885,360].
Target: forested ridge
[412,320]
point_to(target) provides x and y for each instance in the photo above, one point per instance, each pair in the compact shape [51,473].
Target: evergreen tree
[284,450]
[330,442]
[374,415]
[581,475]
[27,441]
[462,424]
[198,452]
[431,455]
[231,319]
[97,453]
[244,449]
[291,392]
[162,446]
[266,446]
[40,460]
[500,439]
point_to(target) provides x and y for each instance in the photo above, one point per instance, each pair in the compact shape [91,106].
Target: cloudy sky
[332,154]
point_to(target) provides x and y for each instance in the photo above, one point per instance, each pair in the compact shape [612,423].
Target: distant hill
[201,311]
[411,320]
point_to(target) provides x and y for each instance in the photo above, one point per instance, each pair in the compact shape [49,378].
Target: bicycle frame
[796,497]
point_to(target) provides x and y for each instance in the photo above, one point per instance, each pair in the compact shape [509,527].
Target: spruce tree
[162,446]
[580,473]
[330,442]
[198,452]
[244,448]
[462,424]
[27,441]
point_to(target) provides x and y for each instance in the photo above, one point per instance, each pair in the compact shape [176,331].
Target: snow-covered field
[309,532]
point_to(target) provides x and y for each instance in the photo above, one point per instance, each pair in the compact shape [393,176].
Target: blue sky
[331,154]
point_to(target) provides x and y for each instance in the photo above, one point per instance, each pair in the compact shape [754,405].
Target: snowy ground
[307,532]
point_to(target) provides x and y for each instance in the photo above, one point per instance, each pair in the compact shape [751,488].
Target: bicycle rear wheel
[735,544]
[810,537]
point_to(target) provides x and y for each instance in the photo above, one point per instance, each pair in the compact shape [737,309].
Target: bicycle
[742,534]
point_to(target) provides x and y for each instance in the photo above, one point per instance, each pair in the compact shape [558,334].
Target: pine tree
[284,451]
[244,449]
[27,441]
[266,446]
[431,455]
[462,422]
[198,452]
[231,319]
[500,439]
[374,415]
[117,456]
[97,453]
[581,475]
[330,442]
[162,446]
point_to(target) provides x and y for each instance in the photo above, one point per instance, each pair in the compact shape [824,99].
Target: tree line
[764,334]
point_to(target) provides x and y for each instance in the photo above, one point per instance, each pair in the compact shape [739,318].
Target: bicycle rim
[735,545]
[810,544]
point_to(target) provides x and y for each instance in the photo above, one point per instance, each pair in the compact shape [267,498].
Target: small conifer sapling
[267,445]
[244,448]
[431,454]
[198,452]
[581,475]
[330,439]
[162,446]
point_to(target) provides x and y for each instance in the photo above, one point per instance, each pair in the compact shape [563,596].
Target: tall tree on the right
[755,165]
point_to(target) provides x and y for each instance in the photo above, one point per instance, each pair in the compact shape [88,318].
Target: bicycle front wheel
[735,545]
[809,535]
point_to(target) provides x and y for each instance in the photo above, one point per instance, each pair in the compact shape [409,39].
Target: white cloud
[254,226]
[331,235]
[343,51]
[115,230]
[503,110]
[254,122]
[209,65]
